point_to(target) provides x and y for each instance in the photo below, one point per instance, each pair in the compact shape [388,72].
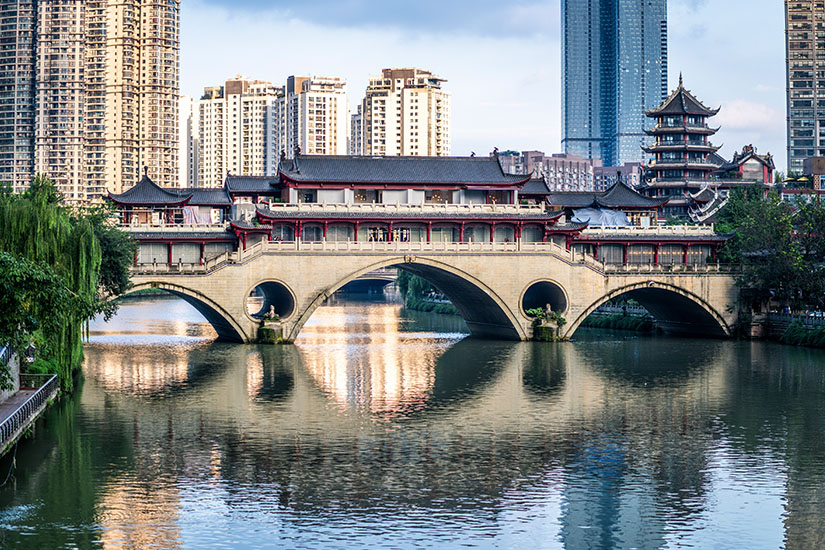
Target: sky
[502,60]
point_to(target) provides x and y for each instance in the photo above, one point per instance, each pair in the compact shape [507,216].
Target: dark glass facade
[614,67]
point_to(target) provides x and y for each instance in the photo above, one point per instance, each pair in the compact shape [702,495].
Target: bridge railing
[398,247]
[46,387]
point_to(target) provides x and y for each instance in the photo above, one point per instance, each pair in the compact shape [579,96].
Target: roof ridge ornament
[681,84]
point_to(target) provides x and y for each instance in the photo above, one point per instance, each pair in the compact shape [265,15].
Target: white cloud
[506,85]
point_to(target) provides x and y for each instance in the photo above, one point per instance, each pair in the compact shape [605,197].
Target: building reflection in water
[360,357]
[600,443]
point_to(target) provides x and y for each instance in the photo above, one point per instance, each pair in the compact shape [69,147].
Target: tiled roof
[147,192]
[182,235]
[618,196]
[682,102]
[253,184]
[536,186]
[457,171]
[367,215]
[208,196]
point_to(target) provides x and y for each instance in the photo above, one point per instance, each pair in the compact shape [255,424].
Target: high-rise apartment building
[313,116]
[404,112]
[188,143]
[614,67]
[17,92]
[60,88]
[805,53]
[237,130]
[94,84]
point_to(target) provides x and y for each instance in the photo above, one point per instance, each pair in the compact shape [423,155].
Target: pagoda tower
[682,158]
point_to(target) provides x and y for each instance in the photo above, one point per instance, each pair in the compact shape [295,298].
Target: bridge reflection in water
[364,434]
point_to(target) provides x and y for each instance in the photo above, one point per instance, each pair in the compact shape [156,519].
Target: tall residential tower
[614,67]
[89,93]
[405,112]
[805,81]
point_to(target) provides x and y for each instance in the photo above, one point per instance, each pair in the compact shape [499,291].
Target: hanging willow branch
[37,227]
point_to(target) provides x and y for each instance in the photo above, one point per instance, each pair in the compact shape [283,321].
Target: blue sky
[501,59]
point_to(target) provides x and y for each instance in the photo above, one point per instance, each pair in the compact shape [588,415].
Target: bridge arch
[227,327]
[485,313]
[678,310]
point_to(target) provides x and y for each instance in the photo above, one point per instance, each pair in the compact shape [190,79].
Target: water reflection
[365,434]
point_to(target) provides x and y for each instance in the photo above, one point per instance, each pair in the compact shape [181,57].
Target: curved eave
[121,202]
[255,229]
[681,147]
[661,130]
[296,183]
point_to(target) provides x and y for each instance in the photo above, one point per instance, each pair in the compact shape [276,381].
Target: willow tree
[37,227]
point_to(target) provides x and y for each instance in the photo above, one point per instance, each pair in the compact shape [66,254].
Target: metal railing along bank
[320,247]
[46,389]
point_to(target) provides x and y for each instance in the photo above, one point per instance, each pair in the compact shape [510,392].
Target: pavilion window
[640,254]
[444,234]
[437,197]
[477,233]
[611,253]
[283,232]
[312,233]
[532,233]
[504,234]
[340,232]
[373,234]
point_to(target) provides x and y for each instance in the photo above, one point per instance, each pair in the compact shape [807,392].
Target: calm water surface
[387,429]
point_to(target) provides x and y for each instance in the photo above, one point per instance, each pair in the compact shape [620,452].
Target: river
[382,428]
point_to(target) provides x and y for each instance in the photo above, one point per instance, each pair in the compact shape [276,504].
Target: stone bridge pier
[491,289]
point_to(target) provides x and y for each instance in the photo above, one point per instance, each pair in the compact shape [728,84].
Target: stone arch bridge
[491,284]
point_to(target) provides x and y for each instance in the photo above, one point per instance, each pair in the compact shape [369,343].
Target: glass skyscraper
[614,67]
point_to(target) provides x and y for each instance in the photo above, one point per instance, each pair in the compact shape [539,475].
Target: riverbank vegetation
[58,265]
[799,335]
[419,295]
[779,246]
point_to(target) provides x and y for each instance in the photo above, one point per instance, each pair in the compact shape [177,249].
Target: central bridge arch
[677,310]
[485,313]
[227,327]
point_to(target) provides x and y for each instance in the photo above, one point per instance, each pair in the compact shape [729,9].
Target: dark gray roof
[682,102]
[208,196]
[253,184]
[618,196]
[147,192]
[452,171]
[367,215]
[536,186]
[181,235]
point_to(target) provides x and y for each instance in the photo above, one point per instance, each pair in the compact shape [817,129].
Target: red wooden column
[357,225]
[325,230]
[685,254]
[492,231]
[624,251]
[243,238]
[169,253]
[461,233]
[656,253]
[389,232]
[429,231]
[596,251]
[297,231]
[203,249]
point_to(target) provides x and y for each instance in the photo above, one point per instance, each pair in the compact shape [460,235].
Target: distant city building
[404,112]
[814,169]
[188,153]
[90,93]
[604,177]
[614,67]
[562,172]
[313,116]
[237,130]
[805,85]
[17,88]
